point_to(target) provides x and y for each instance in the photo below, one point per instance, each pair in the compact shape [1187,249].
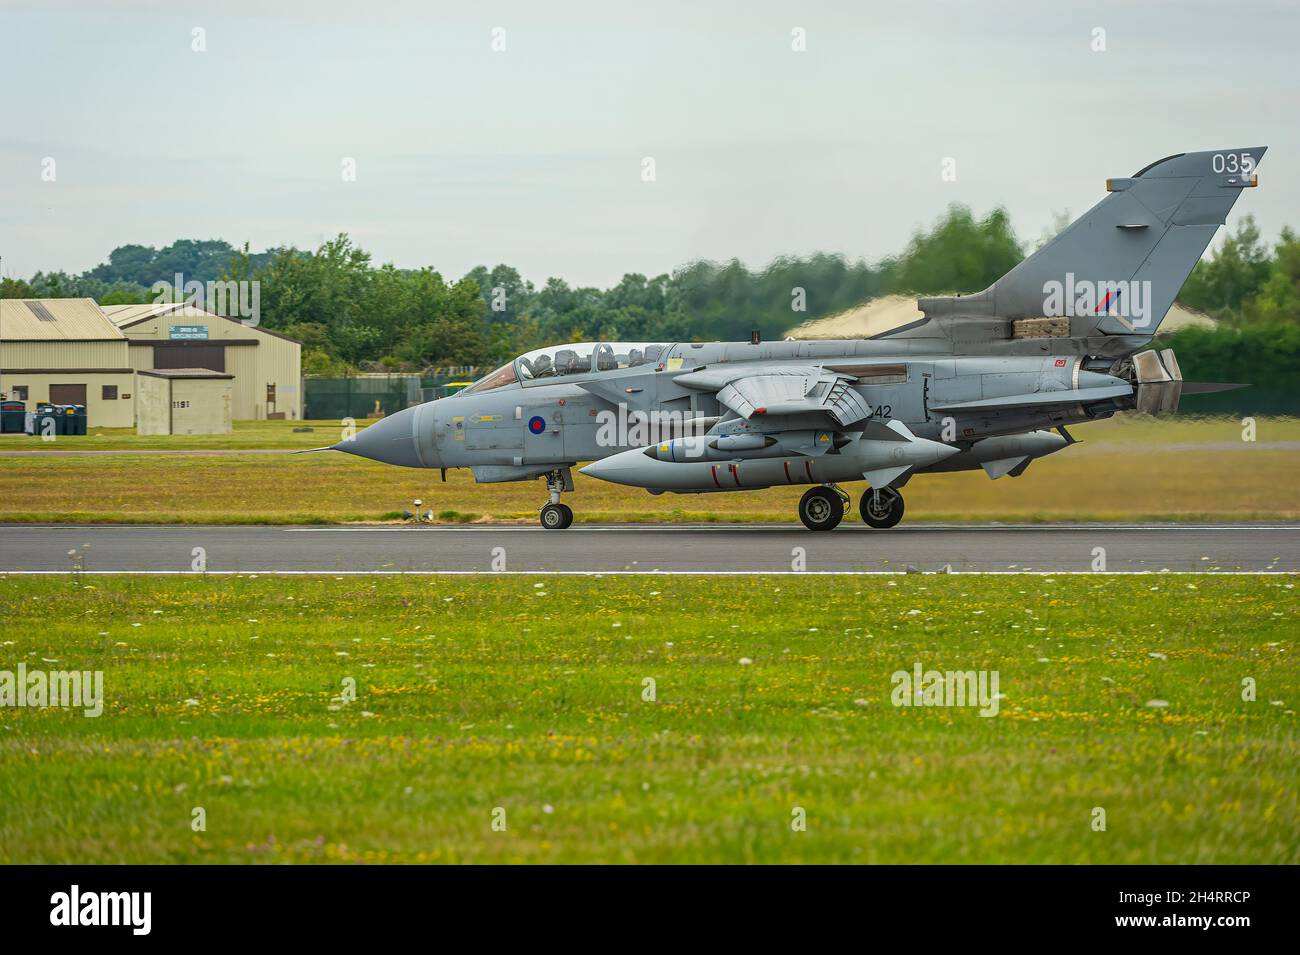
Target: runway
[623,548]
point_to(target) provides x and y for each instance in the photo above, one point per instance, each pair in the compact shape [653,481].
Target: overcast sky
[534,155]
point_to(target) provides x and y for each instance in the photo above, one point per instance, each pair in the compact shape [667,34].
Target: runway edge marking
[650,573]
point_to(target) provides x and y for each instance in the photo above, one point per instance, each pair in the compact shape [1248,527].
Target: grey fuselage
[527,428]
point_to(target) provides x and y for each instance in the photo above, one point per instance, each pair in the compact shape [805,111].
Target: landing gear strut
[881,507]
[822,508]
[554,515]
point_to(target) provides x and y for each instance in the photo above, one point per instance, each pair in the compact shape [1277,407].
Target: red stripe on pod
[713,469]
[735,473]
[807,466]
[786,465]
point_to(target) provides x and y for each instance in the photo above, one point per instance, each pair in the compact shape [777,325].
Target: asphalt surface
[652,548]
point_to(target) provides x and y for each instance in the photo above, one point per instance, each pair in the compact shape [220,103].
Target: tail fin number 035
[1232,162]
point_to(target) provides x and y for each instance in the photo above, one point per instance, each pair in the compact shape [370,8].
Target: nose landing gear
[881,507]
[555,516]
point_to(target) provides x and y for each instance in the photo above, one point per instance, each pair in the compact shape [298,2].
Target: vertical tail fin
[1116,270]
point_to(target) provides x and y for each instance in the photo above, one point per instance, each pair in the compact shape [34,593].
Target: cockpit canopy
[581,358]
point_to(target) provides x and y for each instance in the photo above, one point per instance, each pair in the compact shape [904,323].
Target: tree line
[351,314]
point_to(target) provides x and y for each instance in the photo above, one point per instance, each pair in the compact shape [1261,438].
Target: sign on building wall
[189,332]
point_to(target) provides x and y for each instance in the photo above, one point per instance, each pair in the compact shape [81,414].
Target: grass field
[246,436]
[527,694]
[1127,468]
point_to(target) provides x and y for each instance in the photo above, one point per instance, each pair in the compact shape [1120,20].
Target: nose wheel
[821,508]
[554,515]
[881,507]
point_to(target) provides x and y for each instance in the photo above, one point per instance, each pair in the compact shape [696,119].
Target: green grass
[245,436]
[526,693]
[1126,469]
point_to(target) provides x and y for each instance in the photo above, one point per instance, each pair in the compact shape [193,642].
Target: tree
[1224,283]
[15,288]
[958,255]
[1279,296]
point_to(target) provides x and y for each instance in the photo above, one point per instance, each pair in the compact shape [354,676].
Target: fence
[368,396]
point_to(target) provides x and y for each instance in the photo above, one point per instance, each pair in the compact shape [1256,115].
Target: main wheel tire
[881,507]
[556,517]
[821,509]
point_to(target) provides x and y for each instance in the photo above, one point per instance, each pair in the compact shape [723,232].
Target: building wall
[108,355]
[153,399]
[200,405]
[118,412]
[183,405]
[275,361]
[271,360]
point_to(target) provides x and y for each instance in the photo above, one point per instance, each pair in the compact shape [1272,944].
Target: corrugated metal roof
[121,315]
[55,319]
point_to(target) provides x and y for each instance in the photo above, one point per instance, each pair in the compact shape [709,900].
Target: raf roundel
[536,424]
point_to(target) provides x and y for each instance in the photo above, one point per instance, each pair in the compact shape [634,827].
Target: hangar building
[66,351]
[267,367]
[73,351]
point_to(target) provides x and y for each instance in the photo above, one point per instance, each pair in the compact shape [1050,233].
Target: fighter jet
[985,381]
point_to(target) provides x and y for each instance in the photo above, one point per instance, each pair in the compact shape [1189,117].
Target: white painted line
[650,573]
[720,528]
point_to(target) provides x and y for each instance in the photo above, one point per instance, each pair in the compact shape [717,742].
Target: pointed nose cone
[391,440]
[632,468]
[932,452]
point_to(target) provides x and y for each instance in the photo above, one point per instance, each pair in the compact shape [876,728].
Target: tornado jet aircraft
[986,381]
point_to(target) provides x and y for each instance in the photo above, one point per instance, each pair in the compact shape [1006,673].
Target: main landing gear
[822,508]
[881,507]
[554,515]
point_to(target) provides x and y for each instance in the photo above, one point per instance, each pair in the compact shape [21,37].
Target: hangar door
[67,394]
[210,356]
